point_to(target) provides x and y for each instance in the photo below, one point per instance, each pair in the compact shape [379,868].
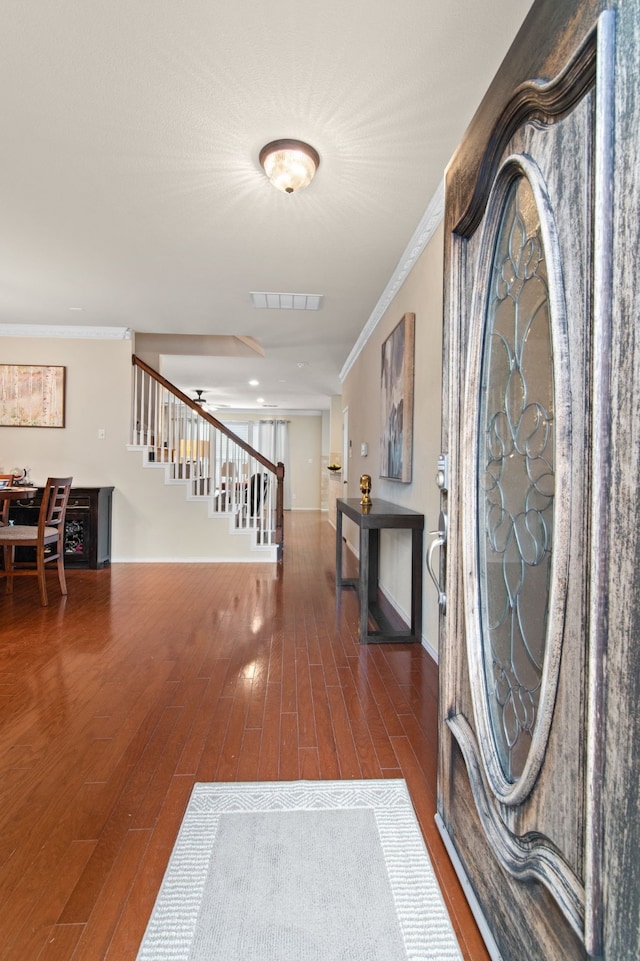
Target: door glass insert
[516,478]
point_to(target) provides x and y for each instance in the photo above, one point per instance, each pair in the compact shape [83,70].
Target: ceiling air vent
[267,301]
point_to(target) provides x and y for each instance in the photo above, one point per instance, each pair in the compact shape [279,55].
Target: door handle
[440,539]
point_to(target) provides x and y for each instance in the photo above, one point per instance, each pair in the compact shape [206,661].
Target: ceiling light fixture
[290,165]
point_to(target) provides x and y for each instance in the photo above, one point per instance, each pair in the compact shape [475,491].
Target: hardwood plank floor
[149,677]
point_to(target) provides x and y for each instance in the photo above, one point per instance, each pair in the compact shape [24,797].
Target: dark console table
[371,520]
[87,525]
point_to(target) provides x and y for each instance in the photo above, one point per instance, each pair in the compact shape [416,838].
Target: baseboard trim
[256,558]
[469,893]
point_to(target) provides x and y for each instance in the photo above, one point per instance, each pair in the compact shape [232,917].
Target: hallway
[150,677]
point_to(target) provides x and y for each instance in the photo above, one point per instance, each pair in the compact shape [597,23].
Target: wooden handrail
[276,469]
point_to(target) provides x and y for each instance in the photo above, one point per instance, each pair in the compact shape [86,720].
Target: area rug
[300,871]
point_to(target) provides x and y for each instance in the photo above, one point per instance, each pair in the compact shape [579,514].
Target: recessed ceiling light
[77,308]
[260,400]
[253,383]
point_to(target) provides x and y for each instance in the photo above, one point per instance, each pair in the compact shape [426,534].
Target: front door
[528,254]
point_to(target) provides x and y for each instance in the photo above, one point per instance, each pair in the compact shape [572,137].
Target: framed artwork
[396,398]
[31,396]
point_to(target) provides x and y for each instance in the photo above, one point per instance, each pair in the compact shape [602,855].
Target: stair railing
[200,450]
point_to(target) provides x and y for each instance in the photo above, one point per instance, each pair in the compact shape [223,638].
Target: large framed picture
[396,394]
[31,396]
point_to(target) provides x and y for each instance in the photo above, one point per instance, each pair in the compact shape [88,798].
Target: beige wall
[98,396]
[151,520]
[305,450]
[335,428]
[421,294]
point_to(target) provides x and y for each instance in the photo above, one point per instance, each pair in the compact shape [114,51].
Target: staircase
[194,449]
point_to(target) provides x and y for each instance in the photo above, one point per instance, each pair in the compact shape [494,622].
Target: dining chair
[255,495]
[6,480]
[47,538]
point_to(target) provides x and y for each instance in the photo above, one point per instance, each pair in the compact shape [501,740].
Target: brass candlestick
[365,490]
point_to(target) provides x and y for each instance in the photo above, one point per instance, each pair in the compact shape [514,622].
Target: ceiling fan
[201,402]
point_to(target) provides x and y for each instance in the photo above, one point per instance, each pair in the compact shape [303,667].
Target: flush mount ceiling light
[290,165]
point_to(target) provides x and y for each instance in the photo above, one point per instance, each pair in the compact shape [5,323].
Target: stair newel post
[280,507]
[135,420]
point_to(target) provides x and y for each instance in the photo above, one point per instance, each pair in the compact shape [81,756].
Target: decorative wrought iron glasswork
[74,537]
[516,478]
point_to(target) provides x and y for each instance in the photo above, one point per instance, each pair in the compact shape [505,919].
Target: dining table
[16,493]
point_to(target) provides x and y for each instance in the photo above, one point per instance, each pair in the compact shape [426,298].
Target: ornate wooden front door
[528,260]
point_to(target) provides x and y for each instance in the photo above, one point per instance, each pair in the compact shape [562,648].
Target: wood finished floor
[150,677]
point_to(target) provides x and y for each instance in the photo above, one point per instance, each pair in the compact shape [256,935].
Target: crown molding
[56,332]
[425,230]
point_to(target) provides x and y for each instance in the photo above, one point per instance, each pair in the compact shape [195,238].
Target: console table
[87,524]
[370,521]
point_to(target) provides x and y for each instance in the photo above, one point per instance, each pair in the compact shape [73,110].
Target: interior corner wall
[326,432]
[335,439]
[422,295]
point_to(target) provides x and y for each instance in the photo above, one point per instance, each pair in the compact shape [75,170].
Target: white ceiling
[129,177]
